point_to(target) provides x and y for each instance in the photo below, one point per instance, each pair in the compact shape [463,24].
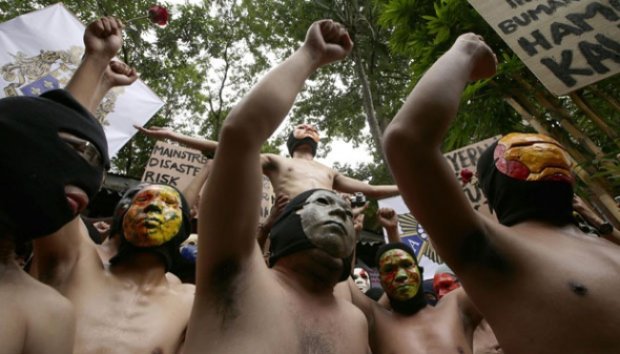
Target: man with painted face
[535,273]
[290,176]
[150,223]
[312,241]
[53,155]
[405,323]
[127,306]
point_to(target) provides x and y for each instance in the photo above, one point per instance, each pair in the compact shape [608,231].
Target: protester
[535,275]
[53,158]
[235,291]
[127,307]
[405,323]
[290,176]
[485,342]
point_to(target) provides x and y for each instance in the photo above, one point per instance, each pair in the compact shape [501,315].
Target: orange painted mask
[532,157]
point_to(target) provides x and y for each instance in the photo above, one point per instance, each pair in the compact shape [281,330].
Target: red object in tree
[466,175]
[158,14]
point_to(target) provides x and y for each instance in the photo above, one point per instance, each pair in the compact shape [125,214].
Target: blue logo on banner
[40,86]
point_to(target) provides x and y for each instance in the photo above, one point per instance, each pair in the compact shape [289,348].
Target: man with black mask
[52,159]
[534,275]
[241,305]
[128,306]
[402,321]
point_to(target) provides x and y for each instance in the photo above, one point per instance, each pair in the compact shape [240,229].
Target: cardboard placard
[173,165]
[567,44]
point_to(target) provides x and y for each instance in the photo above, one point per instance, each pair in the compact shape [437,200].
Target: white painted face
[327,221]
[361,278]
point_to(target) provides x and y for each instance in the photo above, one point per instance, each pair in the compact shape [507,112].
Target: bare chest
[300,175]
[434,331]
[129,321]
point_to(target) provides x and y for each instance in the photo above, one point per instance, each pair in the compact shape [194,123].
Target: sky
[341,151]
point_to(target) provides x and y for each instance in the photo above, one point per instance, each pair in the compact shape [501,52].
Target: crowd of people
[529,281]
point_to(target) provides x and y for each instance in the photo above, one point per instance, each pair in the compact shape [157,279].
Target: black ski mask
[37,164]
[287,234]
[418,301]
[514,200]
[292,143]
[169,251]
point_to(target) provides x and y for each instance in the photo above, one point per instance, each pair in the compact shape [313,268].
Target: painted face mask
[361,279]
[156,220]
[154,216]
[527,176]
[443,283]
[47,143]
[399,274]
[316,218]
[303,134]
[401,278]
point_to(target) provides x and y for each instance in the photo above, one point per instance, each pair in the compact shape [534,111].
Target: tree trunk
[369,107]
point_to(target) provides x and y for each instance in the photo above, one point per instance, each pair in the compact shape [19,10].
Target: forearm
[382,191]
[392,234]
[269,101]
[87,84]
[192,191]
[434,101]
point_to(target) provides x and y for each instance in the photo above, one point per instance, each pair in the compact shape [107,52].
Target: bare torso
[443,329]
[558,292]
[291,176]
[34,318]
[118,312]
[264,312]
[485,341]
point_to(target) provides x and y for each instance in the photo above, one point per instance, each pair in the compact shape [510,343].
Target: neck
[7,250]
[311,271]
[304,154]
[528,225]
[144,268]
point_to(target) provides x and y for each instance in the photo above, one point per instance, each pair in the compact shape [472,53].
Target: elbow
[399,140]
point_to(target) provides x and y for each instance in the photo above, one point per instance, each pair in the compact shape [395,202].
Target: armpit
[479,249]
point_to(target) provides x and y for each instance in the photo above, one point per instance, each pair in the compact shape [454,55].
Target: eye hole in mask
[87,150]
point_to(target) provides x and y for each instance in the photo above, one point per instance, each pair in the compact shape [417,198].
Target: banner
[173,165]
[177,166]
[412,232]
[567,44]
[39,51]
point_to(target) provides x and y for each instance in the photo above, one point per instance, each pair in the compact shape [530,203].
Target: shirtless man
[535,275]
[290,176]
[405,323]
[43,168]
[485,342]
[242,306]
[127,307]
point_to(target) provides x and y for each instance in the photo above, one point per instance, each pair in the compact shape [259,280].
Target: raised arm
[230,204]
[159,133]
[346,184]
[102,39]
[389,221]
[414,137]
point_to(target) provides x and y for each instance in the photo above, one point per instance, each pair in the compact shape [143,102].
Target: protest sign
[567,44]
[173,165]
[39,51]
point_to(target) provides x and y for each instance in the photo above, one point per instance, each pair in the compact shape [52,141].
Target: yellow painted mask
[532,157]
[154,216]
